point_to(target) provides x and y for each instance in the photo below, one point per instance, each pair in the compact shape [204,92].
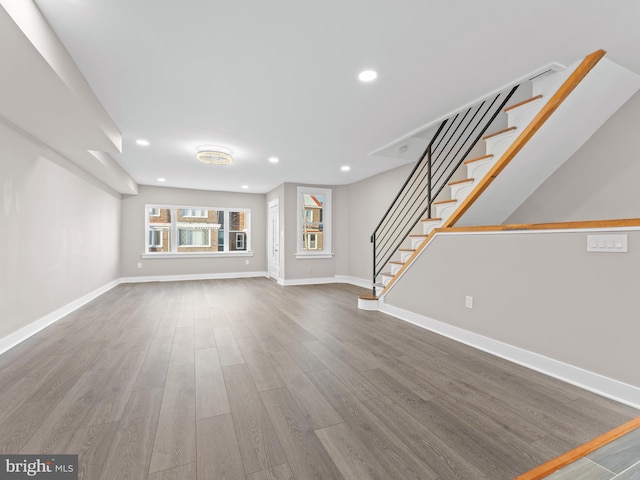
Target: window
[314,222]
[188,230]
[240,237]
[188,237]
[311,241]
[155,237]
[193,212]
[237,230]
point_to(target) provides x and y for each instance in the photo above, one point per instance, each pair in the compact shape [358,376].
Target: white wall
[600,181]
[60,232]
[368,200]
[538,291]
[542,291]
[296,269]
[133,233]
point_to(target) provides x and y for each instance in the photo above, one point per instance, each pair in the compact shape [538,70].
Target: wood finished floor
[244,379]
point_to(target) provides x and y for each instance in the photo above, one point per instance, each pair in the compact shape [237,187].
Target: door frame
[273,238]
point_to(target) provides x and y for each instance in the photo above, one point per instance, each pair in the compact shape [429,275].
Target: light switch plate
[607,243]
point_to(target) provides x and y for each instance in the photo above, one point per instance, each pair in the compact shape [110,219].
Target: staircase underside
[600,94]
[592,90]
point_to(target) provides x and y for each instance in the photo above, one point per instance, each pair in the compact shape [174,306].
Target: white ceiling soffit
[280,78]
[44,94]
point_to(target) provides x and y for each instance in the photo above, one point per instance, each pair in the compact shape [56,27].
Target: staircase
[542,131]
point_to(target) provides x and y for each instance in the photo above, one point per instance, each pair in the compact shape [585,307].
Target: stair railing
[453,141]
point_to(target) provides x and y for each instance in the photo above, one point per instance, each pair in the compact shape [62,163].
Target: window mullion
[225,237]
[174,230]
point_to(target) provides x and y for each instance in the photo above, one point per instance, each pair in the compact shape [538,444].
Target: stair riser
[415,242]
[445,210]
[395,268]
[547,84]
[521,116]
[460,192]
[386,279]
[428,227]
[498,145]
[477,170]
[405,256]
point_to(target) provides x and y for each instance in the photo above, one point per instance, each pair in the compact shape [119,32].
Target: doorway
[273,235]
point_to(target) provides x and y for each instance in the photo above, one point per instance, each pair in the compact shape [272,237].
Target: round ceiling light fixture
[214,155]
[367,76]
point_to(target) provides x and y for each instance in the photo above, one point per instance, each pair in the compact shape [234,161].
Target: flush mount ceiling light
[345,168]
[274,159]
[142,142]
[367,76]
[214,155]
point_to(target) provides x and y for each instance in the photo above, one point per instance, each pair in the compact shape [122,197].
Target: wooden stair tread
[477,159]
[486,137]
[418,235]
[442,202]
[435,219]
[387,274]
[407,249]
[397,263]
[458,182]
[524,102]
[368,297]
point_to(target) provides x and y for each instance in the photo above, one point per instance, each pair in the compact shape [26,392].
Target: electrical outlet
[246,262]
[468,301]
[139,264]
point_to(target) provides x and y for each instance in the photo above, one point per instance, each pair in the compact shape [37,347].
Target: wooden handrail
[530,130]
[548,468]
[616,223]
[547,110]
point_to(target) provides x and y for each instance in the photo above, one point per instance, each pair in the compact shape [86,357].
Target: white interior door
[273,235]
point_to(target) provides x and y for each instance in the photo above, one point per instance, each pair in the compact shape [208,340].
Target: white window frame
[195,212]
[325,252]
[205,245]
[158,231]
[242,237]
[173,229]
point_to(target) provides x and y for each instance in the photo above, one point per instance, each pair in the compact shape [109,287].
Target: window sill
[313,256]
[196,255]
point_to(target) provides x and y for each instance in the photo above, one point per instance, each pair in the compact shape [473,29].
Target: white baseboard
[27,331]
[194,276]
[359,282]
[306,281]
[593,382]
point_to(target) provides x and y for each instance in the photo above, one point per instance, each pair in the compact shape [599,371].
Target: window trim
[157,230]
[242,236]
[187,229]
[325,252]
[194,212]
[174,228]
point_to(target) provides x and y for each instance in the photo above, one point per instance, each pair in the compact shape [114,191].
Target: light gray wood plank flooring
[245,379]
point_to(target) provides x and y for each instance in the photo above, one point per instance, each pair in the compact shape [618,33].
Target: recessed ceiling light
[367,76]
[162,179]
[142,142]
[274,159]
[345,168]
[245,186]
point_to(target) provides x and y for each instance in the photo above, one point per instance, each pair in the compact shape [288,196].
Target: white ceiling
[279,78]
